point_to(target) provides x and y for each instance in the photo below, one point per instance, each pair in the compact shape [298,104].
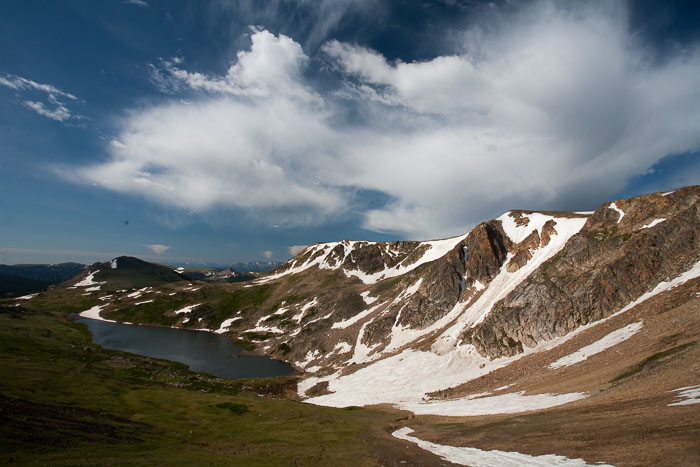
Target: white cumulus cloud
[552,107]
[252,144]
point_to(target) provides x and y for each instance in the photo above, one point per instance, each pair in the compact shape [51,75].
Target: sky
[220,131]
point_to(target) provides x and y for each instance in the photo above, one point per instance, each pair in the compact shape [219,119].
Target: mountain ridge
[433,294]
[433,315]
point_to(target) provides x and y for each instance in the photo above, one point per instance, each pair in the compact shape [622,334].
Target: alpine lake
[202,351]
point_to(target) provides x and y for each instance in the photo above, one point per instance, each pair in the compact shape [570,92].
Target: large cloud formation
[552,107]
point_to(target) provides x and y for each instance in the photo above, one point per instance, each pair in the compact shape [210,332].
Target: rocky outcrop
[486,249]
[448,280]
[364,257]
[613,260]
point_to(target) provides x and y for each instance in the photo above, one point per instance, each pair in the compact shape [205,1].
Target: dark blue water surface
[201,351]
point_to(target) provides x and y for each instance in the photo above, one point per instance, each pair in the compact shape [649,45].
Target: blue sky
[226,131]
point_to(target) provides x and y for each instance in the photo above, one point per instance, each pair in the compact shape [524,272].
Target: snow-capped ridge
[341,255]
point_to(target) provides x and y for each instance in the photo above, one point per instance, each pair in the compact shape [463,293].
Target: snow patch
[88,281]
[113,263]
[479,458]
[319,319]
[478,286]
[93,289]
[503,387]
[518,233]
[143,302]
[281,311]
[342,347]
[667,193]
[138,293]
[368,300]
[226,323]
[358,317]
[621,213]
[302,312]
[27,297]
[402,335]
[507,403]
[187,309]
[362,351]
[690,393]
[94,313]
[604,343]
[652,223]
[272,329]
[308,358]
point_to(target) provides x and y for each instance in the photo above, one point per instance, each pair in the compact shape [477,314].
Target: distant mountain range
[21,279]
[249,266]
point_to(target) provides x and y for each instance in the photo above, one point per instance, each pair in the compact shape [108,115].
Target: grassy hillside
[134,273]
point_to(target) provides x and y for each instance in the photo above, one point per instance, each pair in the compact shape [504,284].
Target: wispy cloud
[552,108]
[60,112]
[54,106]
[268,254]
[140,3]
[19,83]
[157,249]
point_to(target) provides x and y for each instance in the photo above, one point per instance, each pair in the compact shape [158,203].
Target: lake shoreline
[207,351]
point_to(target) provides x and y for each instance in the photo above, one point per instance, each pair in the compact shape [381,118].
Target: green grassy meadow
[66,401]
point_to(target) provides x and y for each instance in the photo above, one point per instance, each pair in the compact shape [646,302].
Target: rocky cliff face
[624,250]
